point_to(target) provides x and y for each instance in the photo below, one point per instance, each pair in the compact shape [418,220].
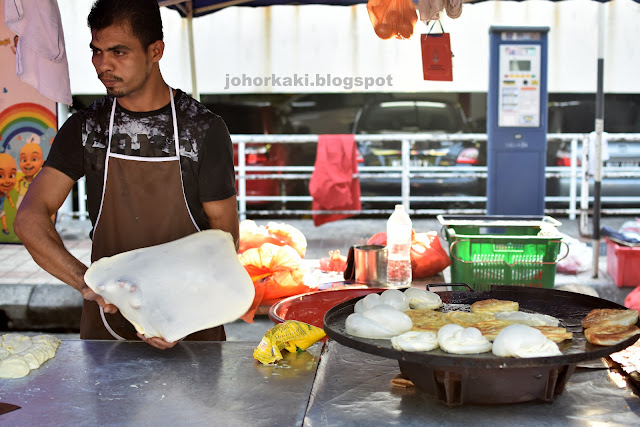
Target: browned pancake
[610,334]
[555,334]
[610,317]
[427,320]
[466,319]
[491,328]
[493,306]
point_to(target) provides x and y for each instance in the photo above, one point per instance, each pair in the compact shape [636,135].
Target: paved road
[31,298]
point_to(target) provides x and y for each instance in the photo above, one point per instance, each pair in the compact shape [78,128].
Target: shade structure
[204,7]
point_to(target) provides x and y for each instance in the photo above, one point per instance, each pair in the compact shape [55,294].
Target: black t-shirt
[206,152]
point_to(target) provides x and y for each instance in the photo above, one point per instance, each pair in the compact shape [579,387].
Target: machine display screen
[519,65]
[519,85]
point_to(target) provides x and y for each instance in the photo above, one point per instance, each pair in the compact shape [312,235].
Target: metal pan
[485,378]
[569,307]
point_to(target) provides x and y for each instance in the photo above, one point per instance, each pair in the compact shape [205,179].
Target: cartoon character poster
[28,125]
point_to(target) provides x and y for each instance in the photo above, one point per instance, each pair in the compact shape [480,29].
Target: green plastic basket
[497,250]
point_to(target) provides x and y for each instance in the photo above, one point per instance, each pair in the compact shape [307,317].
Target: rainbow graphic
[23,118]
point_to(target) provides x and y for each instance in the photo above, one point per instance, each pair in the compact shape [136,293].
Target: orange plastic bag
[280,234]
[428,258]
[275,272]
[334,262]
[392,18]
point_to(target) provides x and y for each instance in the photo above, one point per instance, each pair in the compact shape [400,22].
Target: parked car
[622,115]
[259,118]
[326,113]
[418,116]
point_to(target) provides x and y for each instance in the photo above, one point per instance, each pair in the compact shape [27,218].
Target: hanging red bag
[436,56]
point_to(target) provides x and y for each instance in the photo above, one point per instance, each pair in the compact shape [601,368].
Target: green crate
[496,250]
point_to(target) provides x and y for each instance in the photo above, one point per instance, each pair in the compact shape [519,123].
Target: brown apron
[143,204]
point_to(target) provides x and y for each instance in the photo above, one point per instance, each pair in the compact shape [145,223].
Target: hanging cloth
[41,57]
[332,184]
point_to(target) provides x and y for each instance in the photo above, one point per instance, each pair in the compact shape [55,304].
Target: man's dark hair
[143,17]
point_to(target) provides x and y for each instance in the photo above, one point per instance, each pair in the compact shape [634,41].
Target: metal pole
[599,125]
[574,175]
[242,181]
[192,57]
[406,158]
[63,115]
[584,190]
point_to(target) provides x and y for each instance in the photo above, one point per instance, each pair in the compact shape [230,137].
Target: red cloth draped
[332,184]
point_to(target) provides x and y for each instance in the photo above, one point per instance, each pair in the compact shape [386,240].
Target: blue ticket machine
[517,121]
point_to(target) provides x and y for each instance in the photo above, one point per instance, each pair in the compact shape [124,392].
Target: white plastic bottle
[399,248]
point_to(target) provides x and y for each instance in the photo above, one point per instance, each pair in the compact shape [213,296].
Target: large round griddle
[569,307]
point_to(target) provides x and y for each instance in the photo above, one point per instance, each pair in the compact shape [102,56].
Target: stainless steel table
[131,383]
[352,388]
[195,383]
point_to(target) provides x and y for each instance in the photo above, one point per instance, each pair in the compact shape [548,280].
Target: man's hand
[88,294]
[157,342]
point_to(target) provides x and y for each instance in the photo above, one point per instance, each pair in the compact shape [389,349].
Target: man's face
[8,173]
[121,62]
[31,159]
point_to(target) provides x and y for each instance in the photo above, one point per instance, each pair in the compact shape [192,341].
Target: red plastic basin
[310,308]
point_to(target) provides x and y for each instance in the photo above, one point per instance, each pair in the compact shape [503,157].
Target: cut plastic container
[623,264]
[502,250]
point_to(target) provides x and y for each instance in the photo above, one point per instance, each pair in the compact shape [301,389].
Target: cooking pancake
[491,328]
[610,317]
[427,320]
[493,306]
[529,319]
[466,319]
[554,333]
[610,334]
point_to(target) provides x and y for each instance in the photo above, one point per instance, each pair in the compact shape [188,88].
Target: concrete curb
[25,307]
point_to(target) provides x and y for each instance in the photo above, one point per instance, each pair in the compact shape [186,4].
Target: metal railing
[576,173]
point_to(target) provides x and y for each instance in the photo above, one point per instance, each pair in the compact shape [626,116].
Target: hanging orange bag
[392,18]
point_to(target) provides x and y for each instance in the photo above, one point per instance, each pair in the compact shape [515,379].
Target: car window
[411,116]
[391,116]
[440,118]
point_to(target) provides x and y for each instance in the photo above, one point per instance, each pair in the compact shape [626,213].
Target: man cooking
[158,165]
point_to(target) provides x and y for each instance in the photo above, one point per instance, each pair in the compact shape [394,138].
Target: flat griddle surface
[569,307]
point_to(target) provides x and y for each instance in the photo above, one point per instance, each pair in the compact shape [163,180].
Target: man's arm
[223,215]
[34,227]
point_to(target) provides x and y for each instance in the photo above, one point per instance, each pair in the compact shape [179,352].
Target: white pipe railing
[576,174]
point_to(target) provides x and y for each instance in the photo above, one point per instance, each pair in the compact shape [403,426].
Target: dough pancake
[610,334]
[177,288]
[427,320]
[493,306]
[466,319]
[491,328]
[529,319]
[610,317]
[555,333]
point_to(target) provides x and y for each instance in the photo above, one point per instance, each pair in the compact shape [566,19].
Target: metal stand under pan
[484,378]
[455,386]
